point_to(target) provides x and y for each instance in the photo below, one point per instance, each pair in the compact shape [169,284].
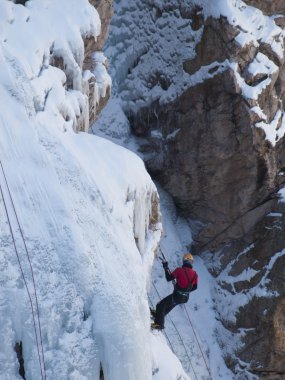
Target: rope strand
[172,349]
[24,279]
[208,369]
[38,339]
[180,337]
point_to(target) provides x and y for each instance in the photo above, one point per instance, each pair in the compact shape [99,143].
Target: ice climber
[186,280]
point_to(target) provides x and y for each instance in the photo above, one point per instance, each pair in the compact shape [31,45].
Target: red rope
[43,374]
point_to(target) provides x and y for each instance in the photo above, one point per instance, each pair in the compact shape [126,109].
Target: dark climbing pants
[166,305]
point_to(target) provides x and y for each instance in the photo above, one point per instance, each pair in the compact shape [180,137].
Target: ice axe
[163,260]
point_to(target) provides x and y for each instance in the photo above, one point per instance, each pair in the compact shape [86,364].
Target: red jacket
[181,278]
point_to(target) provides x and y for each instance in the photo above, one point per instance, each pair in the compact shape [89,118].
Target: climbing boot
[156,326]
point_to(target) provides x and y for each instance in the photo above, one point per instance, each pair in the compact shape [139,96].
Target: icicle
[103,79]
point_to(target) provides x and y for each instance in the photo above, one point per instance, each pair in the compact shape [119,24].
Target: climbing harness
[37,326]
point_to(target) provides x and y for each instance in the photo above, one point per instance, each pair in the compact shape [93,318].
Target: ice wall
[87,208]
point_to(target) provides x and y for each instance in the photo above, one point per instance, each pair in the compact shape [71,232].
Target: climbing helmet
[188,258]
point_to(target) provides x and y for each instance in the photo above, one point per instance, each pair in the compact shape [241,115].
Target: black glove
[165,264]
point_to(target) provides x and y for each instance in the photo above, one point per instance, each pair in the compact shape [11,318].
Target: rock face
[210,164]
[213,160]
[268,7]
[105,10]
[97,98]
[204,91]
[251,276]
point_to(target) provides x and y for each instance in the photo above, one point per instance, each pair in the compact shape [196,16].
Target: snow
[250,92]
[275,214]
[255,27]
[257,110]
[103,79]
[78,223]
[162,353]
[85,206]
[112,122]
[275,130]
[281,194]
[167,42]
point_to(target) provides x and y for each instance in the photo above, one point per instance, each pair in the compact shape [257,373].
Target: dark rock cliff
[217,166]
[250,275]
